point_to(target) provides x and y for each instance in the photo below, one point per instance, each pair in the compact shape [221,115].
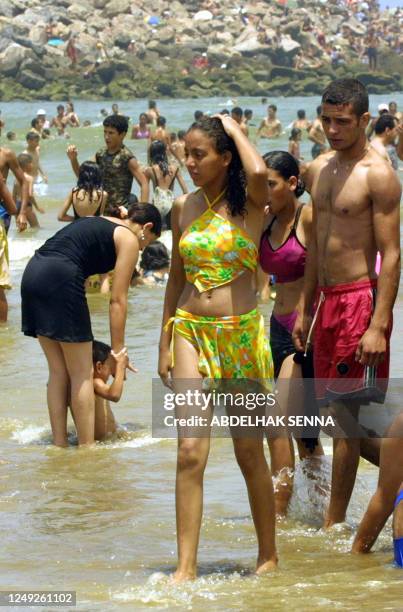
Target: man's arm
[6,197]
[385,192]
[137,173]
[72,154]
[279,129]
[20,177]
[314,135]
[399,148]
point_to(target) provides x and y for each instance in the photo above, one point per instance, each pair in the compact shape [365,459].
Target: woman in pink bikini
[282,254]
[141,131]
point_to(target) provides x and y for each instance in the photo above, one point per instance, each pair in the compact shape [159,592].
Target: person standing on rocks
[118,166]
[271,126]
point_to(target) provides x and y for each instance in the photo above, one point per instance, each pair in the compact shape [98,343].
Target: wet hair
[286,165]
[273,107]
[32,136]
[24,159]
[60,107]
[161,122]
[117,122]
[347,91]
[114,105]
[248,112]
[295,132]
[173,136]
[152,104]
[45,133]
[143,115]
[11,135]
[34,122]
[100,351]
[236,186]
[224,111]
[142,213]
[181,134]
[319,110]
[301,114]
[198,115]
[89,178]
[158,155]
[237,110]
[385,121]
[155,257]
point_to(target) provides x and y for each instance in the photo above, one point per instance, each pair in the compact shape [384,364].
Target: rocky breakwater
[53,49]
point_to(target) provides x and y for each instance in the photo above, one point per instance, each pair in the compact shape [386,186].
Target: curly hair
[89,178]
[236,185]
[158,155]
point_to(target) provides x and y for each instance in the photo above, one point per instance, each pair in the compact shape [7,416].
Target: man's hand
[72,152]
[21,222]
[300,332]
[371,349]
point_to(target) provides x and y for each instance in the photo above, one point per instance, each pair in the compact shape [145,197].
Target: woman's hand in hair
[230,126]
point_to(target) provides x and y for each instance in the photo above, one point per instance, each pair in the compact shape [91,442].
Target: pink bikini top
[287,262]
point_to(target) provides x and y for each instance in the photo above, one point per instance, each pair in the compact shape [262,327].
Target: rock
[117,7]
[37,35]
[288,45]
[166,35]
[12,58]
[78,11]
[100,4]
[5,8]
[31,80]
[33,65]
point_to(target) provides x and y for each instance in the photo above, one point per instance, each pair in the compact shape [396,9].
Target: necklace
[217,199]
[338,167]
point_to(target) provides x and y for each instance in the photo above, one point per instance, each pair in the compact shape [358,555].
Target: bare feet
[179,576]
[264,567]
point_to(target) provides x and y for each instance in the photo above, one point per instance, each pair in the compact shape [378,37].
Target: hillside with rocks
[121,49]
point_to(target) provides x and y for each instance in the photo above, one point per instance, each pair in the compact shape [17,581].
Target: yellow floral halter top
[214,250]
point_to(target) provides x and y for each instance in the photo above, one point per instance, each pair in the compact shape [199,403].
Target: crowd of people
[332,317]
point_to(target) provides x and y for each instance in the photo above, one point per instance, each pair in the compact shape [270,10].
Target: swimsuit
[343,315]
[143,134]
[287,263]
[215,252]
[398,542]
[163,199]
[52,287]
[5,217]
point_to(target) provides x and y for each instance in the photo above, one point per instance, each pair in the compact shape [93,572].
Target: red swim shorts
[344,315]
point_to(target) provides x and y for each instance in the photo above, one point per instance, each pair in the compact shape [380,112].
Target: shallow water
[101,521]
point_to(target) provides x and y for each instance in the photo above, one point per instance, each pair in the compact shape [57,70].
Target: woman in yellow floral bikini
[211,327]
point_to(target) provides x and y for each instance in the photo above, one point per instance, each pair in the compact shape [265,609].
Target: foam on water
[22,249]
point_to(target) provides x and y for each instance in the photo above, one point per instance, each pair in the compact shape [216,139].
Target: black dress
[52,287]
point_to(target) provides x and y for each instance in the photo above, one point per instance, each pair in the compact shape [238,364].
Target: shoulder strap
[173,178]
[155,179]
[297,216]
[268,230]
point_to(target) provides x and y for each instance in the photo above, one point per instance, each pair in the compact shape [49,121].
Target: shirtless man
[301,122]
[59,122]
[317,135]
[356,200]
[393,111]
[118,166]
[383,502]
[161,132]
[178,147]
[8,161]
[33,149]
[386,131]
[237,115]
[153,112]
[271,126]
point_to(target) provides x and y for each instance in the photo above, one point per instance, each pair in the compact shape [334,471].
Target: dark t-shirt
[117,177]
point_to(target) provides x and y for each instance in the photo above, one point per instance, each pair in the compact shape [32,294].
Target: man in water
[8,161]
[118,166]
[317,135]
[153,112]
[301,122]
[59,122]
[161,132]
[237,115]
[271,126]
[356,200]
[385,139]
